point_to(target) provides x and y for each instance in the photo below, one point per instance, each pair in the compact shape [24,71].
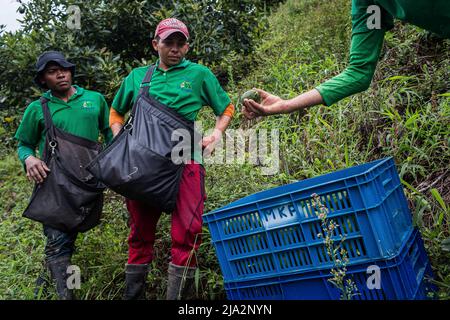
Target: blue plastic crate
[404,277]
[277,231]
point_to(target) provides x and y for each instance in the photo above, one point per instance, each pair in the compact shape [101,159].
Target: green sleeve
[213,95]
[104,120]
[29,132]
[123,100]
[24,151]
[364,55]
[366,45]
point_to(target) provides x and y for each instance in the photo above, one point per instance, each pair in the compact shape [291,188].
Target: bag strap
[47,115]
[147,80]
[49,127]
[144,90]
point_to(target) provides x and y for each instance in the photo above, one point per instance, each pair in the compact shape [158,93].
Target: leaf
[197,280]
[439,199]
[394,78]
[445,245]
[411,120]
[410,187]
[347,162]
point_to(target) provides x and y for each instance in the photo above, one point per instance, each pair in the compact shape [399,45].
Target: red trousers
[186,224]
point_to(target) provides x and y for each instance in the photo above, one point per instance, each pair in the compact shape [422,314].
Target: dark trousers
[58,244]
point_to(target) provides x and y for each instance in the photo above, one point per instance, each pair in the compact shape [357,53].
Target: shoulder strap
[50,135]
[147,80]
[47,115]
[145,89]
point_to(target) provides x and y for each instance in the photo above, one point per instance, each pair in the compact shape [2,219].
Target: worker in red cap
[184,87]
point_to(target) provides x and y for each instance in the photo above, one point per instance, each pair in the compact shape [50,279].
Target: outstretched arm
[364,54]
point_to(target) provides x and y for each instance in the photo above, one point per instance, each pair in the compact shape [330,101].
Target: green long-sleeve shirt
[85,114]
[366,44]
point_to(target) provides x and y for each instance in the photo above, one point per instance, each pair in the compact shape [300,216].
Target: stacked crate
[270,244]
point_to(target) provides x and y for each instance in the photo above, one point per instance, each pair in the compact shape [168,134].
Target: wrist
[116,127]
[217,133]
[27,158]
[287,106]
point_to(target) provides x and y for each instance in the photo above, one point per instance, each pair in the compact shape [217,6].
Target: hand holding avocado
[257,102]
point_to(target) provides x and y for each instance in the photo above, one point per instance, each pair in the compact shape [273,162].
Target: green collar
[79,92]
[183,64]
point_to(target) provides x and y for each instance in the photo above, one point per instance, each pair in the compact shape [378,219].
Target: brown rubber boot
[180,285]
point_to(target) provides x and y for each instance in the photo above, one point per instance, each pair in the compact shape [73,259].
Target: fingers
[262,93]
[37,173]
[41,170]
[208,150]
[29,177]
[45,167]
[254,107]
[209,144]
[247,113]
[208,140]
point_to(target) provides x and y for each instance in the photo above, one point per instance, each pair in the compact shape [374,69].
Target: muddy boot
[58,272]
[180,285]
[135,281]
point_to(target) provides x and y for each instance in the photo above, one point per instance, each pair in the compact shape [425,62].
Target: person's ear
[155,44]
[70,76]
[42,80]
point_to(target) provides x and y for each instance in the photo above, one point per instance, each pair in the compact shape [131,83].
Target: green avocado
[251,94]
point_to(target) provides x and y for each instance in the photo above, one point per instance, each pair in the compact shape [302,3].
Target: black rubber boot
[58,272]
[135,281]
[180,285]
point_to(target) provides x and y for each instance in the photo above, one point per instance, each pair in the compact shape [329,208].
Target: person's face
[56,77]
[172,49]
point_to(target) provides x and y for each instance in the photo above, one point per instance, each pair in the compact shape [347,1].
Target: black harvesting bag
[70,199]
[138,163]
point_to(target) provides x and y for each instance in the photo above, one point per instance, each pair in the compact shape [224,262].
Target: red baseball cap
[168,26]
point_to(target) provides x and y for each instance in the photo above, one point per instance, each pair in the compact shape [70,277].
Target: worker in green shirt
[370,21]
[184,87]
[78,111]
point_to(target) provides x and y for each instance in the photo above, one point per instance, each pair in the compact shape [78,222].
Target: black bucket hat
[51,56]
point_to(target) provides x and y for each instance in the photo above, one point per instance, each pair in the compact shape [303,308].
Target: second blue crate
[406,276]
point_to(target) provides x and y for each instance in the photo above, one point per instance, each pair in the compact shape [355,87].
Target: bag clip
[53,145]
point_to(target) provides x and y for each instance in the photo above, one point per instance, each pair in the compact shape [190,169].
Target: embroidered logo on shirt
[87,104]
[186,85]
